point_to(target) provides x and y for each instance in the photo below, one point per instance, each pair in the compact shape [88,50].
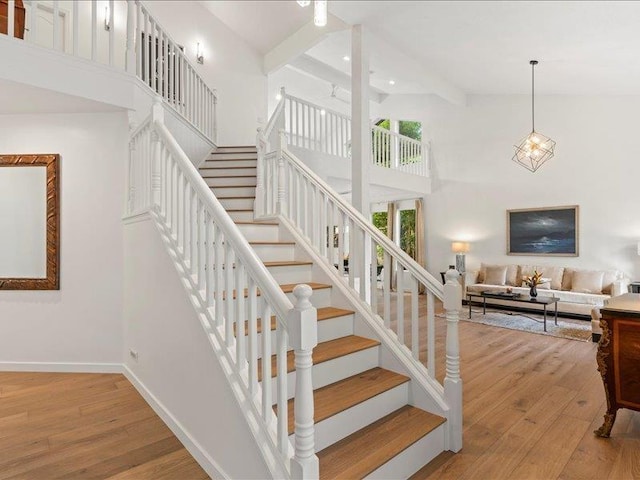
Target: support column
[394,127]
[360,123]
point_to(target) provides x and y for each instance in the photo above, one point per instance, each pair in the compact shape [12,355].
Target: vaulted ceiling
[470,47]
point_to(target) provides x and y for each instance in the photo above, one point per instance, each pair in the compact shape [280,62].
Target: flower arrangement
[533,280]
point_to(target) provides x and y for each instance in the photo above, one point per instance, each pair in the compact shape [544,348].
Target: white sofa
[579,291]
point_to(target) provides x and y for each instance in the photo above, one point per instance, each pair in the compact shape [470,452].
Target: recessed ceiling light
[392,82]
[346,58]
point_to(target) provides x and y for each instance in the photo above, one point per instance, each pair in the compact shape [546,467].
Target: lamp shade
[459,247]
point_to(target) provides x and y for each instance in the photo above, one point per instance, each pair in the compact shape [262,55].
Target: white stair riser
[237,203]
[234,191]
[232,156]
[236,150]
[226,172]
[274,252]
[345,423]
[413,458]
[230,181]
[291,274]
[327,330]
[260,233]
[244,216]
[244,163]
[331,371]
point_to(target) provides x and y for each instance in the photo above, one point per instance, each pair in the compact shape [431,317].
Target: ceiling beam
[298,43]
[310,66]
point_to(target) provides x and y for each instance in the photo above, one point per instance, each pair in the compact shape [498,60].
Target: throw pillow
[554,274]
[566,279]
[495,274]
[587,281]
[512,276]
[524,271]
[608,278]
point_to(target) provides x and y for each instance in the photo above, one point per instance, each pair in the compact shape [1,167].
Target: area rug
[566,328]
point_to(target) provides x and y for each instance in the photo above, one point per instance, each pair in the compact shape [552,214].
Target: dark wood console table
[619,357]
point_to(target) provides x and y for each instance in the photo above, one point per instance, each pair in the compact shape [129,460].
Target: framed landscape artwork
[551,231]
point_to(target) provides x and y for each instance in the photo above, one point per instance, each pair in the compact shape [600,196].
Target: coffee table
[544,301]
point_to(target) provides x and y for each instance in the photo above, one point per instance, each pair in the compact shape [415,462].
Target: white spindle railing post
[281,206]
[260,146]
[157,115]
[215,116]
[302,322]
[130,56]
[452,381]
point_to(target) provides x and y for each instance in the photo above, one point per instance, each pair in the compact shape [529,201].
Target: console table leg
[556,319]
[469,302]
[545,317]
[484,305]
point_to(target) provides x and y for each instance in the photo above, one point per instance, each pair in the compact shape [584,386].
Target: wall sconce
[107,18]
[199,54]
[460,248]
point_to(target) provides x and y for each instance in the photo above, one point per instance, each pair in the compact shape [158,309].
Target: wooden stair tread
[233,186]
[344,394]
[286,263]
[286,288]
[364,451]
[324,313]
[220,168]
[239,209]
[324,352]
[241,159]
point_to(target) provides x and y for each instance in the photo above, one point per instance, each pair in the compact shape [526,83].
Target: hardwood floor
[531,403]
[84,426]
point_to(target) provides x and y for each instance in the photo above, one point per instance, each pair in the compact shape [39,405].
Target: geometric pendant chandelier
[535,149]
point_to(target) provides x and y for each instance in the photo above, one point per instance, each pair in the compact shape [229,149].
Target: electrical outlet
[133,354]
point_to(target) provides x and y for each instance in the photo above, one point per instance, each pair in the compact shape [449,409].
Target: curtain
[391,220]
[420,242]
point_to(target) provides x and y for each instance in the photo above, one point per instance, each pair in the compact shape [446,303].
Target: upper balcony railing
[316,128]
[125,36]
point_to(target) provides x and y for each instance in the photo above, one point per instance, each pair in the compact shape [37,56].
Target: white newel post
[157,116]
[452,380]
[130,57]
[259,202]
[303,327]
[281,206]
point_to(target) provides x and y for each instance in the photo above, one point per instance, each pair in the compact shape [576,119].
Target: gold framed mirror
[29,222]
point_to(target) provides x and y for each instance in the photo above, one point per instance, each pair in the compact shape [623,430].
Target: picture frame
[546,231]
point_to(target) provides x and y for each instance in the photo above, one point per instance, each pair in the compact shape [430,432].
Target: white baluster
[415,319]
[259,203]
[11,12]
[452,381]
[282,194]
[400,302]
[431,334]
[253,336]
[303,326]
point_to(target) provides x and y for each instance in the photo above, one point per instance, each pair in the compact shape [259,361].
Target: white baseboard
[61,367]
[204,460]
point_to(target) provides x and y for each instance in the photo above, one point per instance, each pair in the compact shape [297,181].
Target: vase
[533,293]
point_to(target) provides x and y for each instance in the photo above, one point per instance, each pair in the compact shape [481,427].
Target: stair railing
[392,150]
[325,131]
[337,232]
[163,66]
[236,294]
[87,30]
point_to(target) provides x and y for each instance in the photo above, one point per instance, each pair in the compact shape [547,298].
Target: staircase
[365,425]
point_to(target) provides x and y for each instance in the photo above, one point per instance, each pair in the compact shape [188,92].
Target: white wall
[176,362]
[475,181]
[230,66]
[82,322]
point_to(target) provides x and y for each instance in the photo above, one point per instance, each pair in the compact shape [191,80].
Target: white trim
[136,217]
[194,448]
[61,367]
